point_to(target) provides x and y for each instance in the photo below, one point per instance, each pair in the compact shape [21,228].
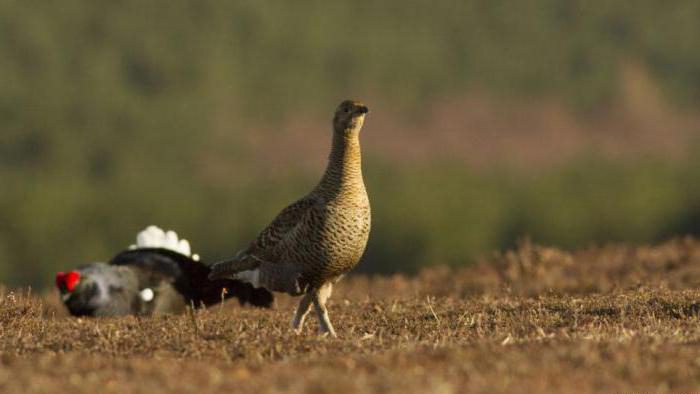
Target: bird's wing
[285,222]
[266,246]
[295,242]
[156,263]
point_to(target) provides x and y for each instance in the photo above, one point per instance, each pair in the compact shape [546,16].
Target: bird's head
[94,289]
[78,292]
[349,116]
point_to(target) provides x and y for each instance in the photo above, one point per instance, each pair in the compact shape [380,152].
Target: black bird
[157,275]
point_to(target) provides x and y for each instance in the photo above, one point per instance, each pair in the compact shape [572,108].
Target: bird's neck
[344,170]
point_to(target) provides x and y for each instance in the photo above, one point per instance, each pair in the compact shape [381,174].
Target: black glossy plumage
[188,277]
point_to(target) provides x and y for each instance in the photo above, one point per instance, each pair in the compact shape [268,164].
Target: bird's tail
[155,237]
[246,293]
[241,267]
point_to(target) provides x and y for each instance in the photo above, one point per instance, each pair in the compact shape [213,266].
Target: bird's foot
[301,313]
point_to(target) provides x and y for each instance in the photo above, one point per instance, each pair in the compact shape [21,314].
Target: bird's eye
[347,109]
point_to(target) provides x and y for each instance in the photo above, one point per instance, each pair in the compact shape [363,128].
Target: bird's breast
[344,234]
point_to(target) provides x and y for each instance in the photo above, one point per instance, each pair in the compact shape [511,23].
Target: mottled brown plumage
[313,242]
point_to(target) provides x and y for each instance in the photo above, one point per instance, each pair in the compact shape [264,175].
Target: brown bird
[313,242]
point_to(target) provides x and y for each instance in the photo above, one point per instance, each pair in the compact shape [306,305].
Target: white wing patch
[155,237]
[147,294]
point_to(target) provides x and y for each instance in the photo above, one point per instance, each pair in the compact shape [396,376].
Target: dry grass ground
[609,319]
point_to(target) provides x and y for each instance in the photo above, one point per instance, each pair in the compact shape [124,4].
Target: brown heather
[607,319]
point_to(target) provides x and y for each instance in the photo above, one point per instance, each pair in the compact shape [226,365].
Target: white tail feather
[155,237]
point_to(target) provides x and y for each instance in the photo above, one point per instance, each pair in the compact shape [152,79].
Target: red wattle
[72,279]
[67,280]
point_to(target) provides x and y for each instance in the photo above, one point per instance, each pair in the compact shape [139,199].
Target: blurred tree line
[112,115]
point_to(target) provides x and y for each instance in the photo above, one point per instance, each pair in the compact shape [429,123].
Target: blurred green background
[571,122]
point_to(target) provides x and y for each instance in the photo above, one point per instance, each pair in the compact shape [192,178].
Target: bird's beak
[361,110]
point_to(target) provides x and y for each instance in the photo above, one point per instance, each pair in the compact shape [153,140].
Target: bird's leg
[302,311]
[320,297]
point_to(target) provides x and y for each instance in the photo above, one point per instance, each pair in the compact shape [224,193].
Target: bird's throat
[344,169]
